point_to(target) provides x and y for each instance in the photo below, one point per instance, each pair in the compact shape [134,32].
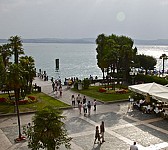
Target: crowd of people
[57,87]
[159,108]
[82,103]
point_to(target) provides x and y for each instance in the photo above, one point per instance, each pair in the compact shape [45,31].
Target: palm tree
[6,53]
[48,130]
[16,46]
[2,73]
[27,62]
[15,73]
[14,82]
[163,57]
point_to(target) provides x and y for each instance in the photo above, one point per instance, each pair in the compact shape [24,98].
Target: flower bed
[24,101]
[27,100]
[2,99]
[32,97]
[121,91]
[110,91]
[102,90]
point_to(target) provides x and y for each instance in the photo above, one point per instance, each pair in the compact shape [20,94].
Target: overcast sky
[138,19]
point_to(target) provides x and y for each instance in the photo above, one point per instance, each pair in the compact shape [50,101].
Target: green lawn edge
[93,92]
[43,101]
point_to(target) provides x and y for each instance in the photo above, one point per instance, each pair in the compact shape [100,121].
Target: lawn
[43,100]
[93,91]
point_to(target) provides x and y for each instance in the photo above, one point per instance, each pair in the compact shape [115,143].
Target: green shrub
[86,83]
[149,79]
[76,85]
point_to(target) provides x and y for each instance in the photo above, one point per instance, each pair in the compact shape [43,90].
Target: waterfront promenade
[121,127]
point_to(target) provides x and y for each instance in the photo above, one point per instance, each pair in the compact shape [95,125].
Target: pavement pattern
[122,127]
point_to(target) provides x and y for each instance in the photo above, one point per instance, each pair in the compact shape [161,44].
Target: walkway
[122,127]
[67,93]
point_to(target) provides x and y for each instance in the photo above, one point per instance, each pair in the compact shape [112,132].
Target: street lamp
[133,73]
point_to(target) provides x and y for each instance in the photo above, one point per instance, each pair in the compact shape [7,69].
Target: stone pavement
[46,87]
[121,128]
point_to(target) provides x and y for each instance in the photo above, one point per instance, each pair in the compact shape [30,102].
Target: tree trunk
[163,66]
[17,110]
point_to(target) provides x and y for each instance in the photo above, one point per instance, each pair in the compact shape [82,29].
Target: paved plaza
[121,127]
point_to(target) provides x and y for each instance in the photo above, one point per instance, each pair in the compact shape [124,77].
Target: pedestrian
[52,79]
[60,90]
[89,107]
[80,107]
[78,99]
[73,100]
[56,91]
[133,147]
[53,86]
[94,104]
[97,135]
[85,109]
[102,130]
[84,99]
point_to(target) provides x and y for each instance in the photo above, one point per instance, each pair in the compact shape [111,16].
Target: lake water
[78,60]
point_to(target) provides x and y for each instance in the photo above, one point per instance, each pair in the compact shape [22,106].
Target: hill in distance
[87,40]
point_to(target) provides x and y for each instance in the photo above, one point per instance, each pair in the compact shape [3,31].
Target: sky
[137,19]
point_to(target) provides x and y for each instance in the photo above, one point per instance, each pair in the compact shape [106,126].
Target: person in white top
[156,110]
[78,99]
[133,147]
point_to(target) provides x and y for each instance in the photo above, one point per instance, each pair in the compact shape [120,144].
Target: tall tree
[16,46]
[15,75]
[115,53]
[126,55]
[145,62]
[48,130]
[28,65]
[6,53]
[101,62]
[163,57]
[2,73]
[14,81]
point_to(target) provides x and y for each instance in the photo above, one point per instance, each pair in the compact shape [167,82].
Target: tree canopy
[17,75]
[47,130]
[145,62]
[115,54]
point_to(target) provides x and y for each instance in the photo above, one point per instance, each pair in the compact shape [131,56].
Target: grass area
[43,100]
[93,91]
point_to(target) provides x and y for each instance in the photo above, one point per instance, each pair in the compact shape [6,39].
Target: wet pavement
[121,127]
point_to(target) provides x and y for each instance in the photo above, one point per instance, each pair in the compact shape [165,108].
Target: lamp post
[133,73]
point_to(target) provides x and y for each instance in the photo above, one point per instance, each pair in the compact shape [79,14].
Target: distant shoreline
[87,41]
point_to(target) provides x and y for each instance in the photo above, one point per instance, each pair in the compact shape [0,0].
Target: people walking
[55,91]
[73,100]
[134,146]
[53,86]
[97,135]
[102,130]
[89,107]
[78,99]
[60,90]
[84,99]
[80,107]
[94,104]
[85,109]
